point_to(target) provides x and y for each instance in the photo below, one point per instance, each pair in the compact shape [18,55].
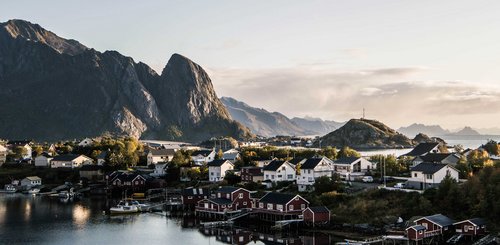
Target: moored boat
[125,207]
[9,189]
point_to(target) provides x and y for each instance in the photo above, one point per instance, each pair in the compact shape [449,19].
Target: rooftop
[278,198]
[218,163]
[273,165]
[439,219]
[346,160]
[428,167]
[422,149]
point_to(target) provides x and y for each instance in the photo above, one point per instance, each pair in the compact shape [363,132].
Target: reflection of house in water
[317,239]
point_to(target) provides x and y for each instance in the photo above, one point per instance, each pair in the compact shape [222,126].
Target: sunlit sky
[432,62]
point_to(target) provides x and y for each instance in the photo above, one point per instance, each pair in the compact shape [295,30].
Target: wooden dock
[217,223]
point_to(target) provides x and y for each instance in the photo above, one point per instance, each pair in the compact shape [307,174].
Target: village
[227,182]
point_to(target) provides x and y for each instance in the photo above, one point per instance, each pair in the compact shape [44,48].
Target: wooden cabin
[471,227]
[316,215]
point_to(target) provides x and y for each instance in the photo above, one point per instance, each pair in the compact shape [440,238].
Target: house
[429,175]
[311,169]
[43,160]
[228,199]
[443,158]
[351,167]
[3,155]
[282,204]
[217,169]
[231,155]
[101,158]
[471,227]
[31,181]
[423,149]
[86,142]
[70,161]
[279,171]
[252,174]
[434,225]
[92,172]
[415,233]
[160,170]
[295,141]
[26,144]
[261,162]
[201,157]
[191,196]
[316,215]
[160,155]
[127,180]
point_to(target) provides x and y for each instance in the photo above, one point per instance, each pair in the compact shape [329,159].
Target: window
[279,207]
[212,173]
[415,175]
[302,206]
[223,206]
[428,176]
[228,195]
[261,205]
[240,195]
[190,197]
[290,176]
[420,232]
[269,206]
[425,225]
[272,176]
[244,203]
[279,176]
[283,168]
[290,207]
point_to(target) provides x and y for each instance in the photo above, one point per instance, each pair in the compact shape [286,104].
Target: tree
[19,152]
[219,155]
[232,179]
[181,158]
[492,147]
[478,159]
[325,184]
[348,152]
[329,152]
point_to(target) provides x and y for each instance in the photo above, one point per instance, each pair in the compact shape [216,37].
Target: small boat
[124,207]
[9,189]
[34,191]
[143,207]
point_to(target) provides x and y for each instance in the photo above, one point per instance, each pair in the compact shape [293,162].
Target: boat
[9,189]
[125,207]
[34,191]
[143,207]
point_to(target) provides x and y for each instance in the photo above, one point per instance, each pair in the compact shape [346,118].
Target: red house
[280,206]
[415,233]
[471,227]
[227,199]
[316,215]
[434,225]
[126,180]
[191,196]
[252,174]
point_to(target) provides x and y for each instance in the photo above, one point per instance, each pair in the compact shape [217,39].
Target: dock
[217,223]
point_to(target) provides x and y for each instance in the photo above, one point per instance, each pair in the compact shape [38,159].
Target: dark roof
[162,152]
[222,201]
[346,160]
[435,157]
[311,163]
[227,189]
[428,167]
[277,198]
[421,149]
[68,157]
[201,152]
[196,192]
[217,163]
[439,219]
[274,165]
[475,221]
[296,160]
[102,155]
[319,209]
[417,227]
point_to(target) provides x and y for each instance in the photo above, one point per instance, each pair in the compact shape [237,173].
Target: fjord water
[26,219]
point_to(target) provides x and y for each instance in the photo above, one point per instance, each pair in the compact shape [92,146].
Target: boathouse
[279,206]
[316,215]
[191,196]
[471,227]
[435,225]
[227,200]
[415,232]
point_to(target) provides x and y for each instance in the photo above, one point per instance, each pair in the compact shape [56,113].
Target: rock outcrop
[54,88]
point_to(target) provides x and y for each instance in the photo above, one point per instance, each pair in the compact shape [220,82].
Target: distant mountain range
[268,124]
[436,130]
[53,88]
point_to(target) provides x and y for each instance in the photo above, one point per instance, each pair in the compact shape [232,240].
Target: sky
[431,62]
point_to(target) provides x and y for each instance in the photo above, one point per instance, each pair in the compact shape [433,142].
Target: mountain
[261,121]
[414,129]
[54,88]
[423,138]
[489,131]
[366,134]
[466,131]
[317,125]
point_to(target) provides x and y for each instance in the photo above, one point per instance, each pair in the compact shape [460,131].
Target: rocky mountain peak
[35,33]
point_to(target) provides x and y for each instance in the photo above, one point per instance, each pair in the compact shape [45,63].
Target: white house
[3,155]
[351,167]
[231,155]
[70,161]
[279,171]
[311,169]
[201,157]
[43,160]
[31,181]
[217,169]
[86,142]
[161,155]
[26,144]
[160,170]
[423,149]
[429,175]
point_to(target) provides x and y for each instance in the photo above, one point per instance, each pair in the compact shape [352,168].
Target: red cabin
[415,233]
[434,225]
[282,203]
[227,199]
[191,196]
[316,215]
[471,227]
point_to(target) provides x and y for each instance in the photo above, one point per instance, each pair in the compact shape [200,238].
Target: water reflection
[81,215]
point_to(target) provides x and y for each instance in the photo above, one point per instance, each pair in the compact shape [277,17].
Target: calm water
[26,219]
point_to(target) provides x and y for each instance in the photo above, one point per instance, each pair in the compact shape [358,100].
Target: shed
[316,215]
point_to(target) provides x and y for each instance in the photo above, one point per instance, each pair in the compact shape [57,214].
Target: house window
[223,206]
[228,196]
[261,205]
[415,175]
[420,232]
[244,203]
[428,176]
[190,197]
[269,206]
[290,207]
[136,182]
[272,176]
[279,176]
[425,225]
[240,195]
[267,176]
[212,173]
[279,207]
[302,206]
[283,168]
[290,176]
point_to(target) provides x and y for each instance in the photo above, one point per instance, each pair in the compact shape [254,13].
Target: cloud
[388,94]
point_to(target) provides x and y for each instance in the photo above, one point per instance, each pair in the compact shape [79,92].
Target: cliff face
[54,88]
[366,134]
